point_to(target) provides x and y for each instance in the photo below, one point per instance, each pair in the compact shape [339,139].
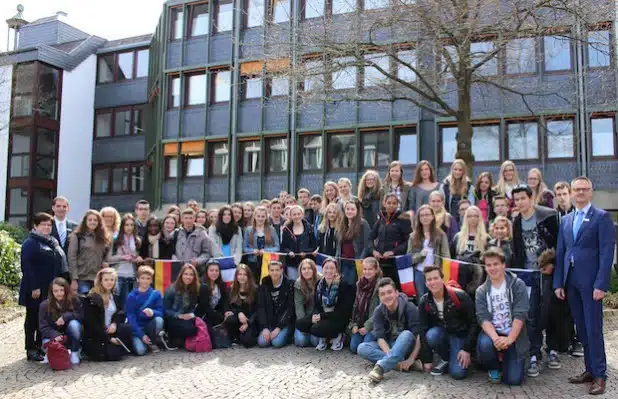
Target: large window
[406,57]
[557,53]
[521,56]
[311,147]
[45,161]
[603,136]
[177,20]
[344,73]
[314,75]
[277,155]
[118,122]
[174,92]
[194,166]
[118,178]
[199,20]
[18,207]
[49,91]
[255,13]
[196,89]
[342,151]
[251,87]
[225,16]
[280,11]
[560,139]
[599,54]
[20,152]
[375,149]
[485,143]
[479,51]
[221,82]
[407,146]
[373,76]
[118,67]
[523,139]
[250,156]
[220,158]
[24,79]
[343,6]
[314,8]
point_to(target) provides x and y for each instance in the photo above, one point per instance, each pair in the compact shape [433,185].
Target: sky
[109,19]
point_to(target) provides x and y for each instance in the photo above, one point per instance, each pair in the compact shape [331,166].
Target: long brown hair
[418,234]
[268,237]
[120,239]
[250,289]
[56,308]
[194,288]
[98,284]
[417,173]
[101,235]
[387,179]
[349,229]
[307,287]
[484,175]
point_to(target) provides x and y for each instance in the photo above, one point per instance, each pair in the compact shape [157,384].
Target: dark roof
[128,41]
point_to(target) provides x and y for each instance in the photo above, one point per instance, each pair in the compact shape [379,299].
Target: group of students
[513,224]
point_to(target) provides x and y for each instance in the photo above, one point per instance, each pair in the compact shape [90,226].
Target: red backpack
[58,355]
[201,341]
[451,288]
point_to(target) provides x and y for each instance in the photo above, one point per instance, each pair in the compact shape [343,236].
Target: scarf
[53,243]
[226,231]
[128,244]
[364,292]
[328,294]
[154,245]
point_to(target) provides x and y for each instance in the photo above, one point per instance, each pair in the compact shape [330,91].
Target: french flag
[228,269]
[405,269]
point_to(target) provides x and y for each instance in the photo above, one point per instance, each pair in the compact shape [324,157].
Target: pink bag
[201,341]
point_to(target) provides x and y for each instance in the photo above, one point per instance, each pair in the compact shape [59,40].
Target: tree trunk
[464,127]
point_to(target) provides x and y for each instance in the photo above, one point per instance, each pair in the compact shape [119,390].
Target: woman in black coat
[242,323]
[42,260]
[298,241]
[213,304]
[107,336]
[159,242]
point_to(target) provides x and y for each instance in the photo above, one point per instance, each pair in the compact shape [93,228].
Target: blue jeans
[348,269]
[512,367]
[447,346]
[123,287]
[151,329]
[419,283]
[400,350]
[84,286]
[74,335]
[279,342]
[357,339]
[302,339]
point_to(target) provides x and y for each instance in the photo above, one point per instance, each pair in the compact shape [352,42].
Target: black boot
[33,355]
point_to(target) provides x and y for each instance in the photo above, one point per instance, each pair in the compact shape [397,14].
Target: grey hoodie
[408,317]
[518,302]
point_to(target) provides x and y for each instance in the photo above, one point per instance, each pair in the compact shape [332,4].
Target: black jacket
[167,247]
[271,316]
[305,243]
[70,227]
[547,226]
[309,215]
[96,341]
[371,208]
[212,316]
[458,321]
[250,310]
[327,242]
[391,234]
[343,308]
[506,247]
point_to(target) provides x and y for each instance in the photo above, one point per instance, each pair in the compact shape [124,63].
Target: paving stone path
[265,373]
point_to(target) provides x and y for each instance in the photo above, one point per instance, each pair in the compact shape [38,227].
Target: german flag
[166,272]
[450,268]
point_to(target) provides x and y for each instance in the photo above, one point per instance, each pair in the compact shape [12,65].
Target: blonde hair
[480,239]
[509,227]
[325,200]
[111,209]
[292,208]
[500,187]
[441,215]
[362,187]
[458,186]
[540,189]
[98,284]
[325,222]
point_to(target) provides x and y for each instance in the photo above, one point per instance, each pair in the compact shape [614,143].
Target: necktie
[62,233]
[579,216]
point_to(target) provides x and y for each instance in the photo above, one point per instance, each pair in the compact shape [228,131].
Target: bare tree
[438,55]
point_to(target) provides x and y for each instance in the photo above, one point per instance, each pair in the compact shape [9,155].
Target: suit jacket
[592,251]
[70,227]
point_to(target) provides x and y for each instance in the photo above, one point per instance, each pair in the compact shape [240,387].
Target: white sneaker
[337,343]
[45,361]
[321,344]
[75,358]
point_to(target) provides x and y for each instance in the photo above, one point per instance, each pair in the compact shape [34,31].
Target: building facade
[195,112]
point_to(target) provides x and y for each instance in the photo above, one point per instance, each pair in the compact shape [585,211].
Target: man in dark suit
[583,265]
[62,227]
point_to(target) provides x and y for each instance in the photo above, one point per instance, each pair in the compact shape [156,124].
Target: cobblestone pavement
[264,373]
